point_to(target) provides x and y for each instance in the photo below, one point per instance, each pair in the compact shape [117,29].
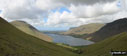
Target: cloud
[84,14]
[95,10]
[79,2]
[57,19]
[124,4]
[47,4]
[51,4]
[68,20]
[34,22]
[24,9]
[81,11]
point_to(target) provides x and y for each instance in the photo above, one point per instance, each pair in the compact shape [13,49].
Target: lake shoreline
[69,40]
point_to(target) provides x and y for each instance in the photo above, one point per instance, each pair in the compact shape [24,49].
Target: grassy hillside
[85,29]
[14,42]
[116,43]
[110,29]
[29,29]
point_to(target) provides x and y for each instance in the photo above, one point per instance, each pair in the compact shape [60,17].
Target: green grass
[29,29]
[66,46]
[116,43]
[14,42]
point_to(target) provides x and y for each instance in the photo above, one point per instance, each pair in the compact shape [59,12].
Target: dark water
[69,40]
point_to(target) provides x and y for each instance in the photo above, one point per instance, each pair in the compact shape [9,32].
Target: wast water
[69,40]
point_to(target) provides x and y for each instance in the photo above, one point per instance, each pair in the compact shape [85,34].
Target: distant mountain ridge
[29,29]
[85,29]
[110,29]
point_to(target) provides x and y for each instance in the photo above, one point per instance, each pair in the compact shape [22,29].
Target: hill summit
[29,29]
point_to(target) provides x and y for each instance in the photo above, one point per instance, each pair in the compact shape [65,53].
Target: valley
[15,41]
[63,27]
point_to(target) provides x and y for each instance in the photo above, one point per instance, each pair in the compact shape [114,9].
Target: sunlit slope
[14,42]
[85,29]
[29,29]
[116,43]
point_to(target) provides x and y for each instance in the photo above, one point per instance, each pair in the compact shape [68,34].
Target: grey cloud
[26,10]
[30,11]
[19,13]
[87,2]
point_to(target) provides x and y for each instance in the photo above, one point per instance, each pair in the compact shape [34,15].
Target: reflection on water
[69,40]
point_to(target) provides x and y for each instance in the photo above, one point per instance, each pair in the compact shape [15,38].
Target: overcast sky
[62,14]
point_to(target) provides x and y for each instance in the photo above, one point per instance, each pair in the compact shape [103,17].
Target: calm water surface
[69,40]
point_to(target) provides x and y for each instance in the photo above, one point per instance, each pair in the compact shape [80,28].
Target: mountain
[110,29]
[29,29]
[14,42]
[103,48]
[85,29]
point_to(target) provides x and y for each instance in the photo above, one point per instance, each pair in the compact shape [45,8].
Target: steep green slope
[29,29]
[116,43]
[14,42]
[110,29]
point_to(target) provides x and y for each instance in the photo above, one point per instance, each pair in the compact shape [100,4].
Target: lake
[69,40]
